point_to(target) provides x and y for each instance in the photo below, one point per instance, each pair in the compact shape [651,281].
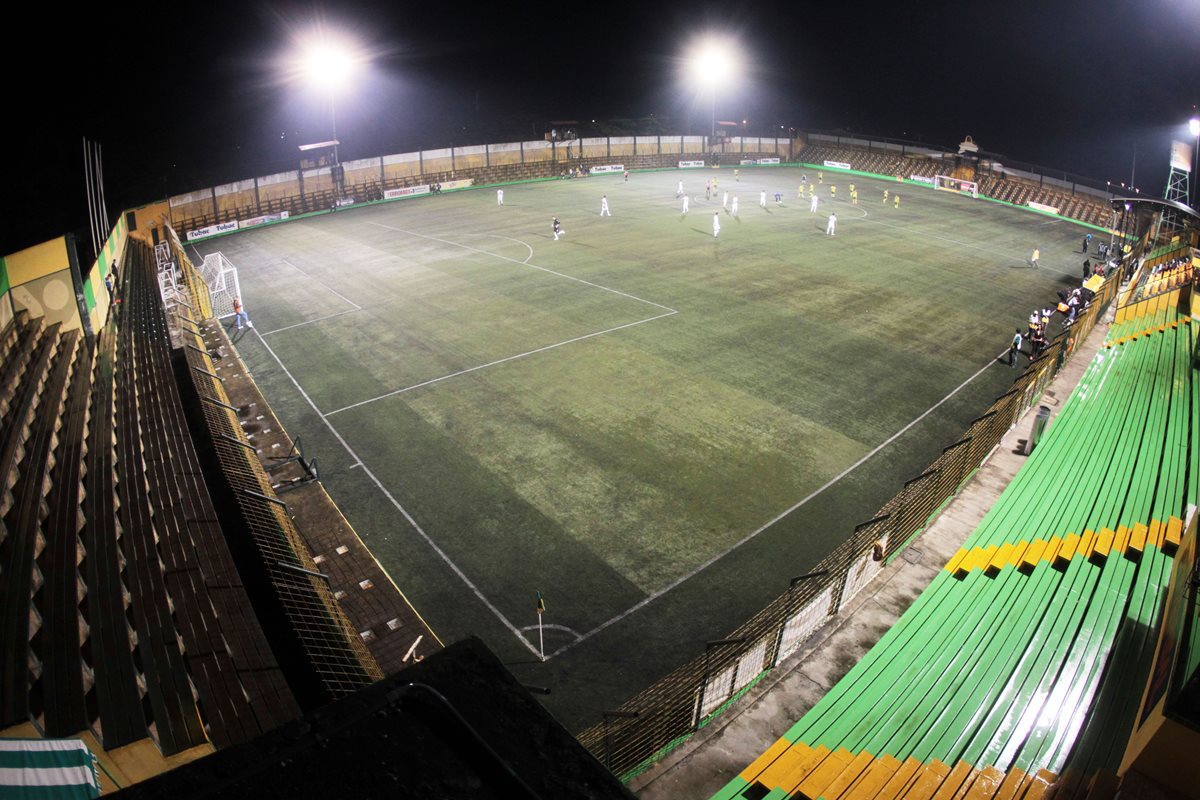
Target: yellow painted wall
[37,261]
[506,157]
[438,165]
[277,191]
[470,161]
[237,202]
[403,169]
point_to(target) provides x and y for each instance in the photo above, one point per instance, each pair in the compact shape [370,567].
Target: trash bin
[1039,427]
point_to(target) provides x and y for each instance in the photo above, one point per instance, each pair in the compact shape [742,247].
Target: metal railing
[646,727]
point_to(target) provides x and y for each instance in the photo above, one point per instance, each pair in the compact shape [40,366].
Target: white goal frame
[221,277]
[949,184]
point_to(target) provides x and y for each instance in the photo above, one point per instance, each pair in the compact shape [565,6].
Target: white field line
[357,307]
[660,592]
[309,322]
[549,626]
[404,512]
[525,263]
[498,361]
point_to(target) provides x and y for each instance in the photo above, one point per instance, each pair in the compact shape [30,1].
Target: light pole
[712,66]
[328,67]
[1194,129]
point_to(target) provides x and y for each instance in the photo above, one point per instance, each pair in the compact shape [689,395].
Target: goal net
[221,277]
[949,184]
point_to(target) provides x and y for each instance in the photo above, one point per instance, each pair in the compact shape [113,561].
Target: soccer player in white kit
[685,204]
[679,189]
[725,200]
[558,231]
[716,223]
[831,225]
[762,198]
[813,205]
[499,197]
[735,204]
[604,206]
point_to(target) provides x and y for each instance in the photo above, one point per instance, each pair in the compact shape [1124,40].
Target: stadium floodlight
[327,62]
[329,66]
[713,65]
[1194,126]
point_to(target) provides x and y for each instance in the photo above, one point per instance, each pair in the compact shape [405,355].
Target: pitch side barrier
[924,185]
[632,737]
[270,199]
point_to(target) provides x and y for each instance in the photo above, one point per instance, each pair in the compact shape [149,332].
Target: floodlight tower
[1178,181]
[329,67]
[713,65]
[1194,130]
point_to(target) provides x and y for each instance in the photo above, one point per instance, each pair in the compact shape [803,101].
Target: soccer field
[654,428]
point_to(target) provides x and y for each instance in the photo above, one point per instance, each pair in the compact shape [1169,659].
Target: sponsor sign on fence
[253,221]
[1043,207]
[212,230]
[772,161]
[458,184]
[921,179]
[607,168]
[407,191]
[346,201]
[838,164]
[690,164]
[748,162]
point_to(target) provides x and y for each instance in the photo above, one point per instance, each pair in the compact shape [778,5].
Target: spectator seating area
[1085,208]
[1019,671]
[366,191]
[125,606]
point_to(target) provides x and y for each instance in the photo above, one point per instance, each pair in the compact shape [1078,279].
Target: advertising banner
[254,221]
[407,191]
[212,230]
[690,164]
[607,168]
[838,164]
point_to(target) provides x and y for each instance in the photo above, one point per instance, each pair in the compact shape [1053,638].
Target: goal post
[948,184]
[221,277]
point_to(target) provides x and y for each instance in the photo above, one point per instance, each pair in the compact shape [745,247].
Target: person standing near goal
[716,224]
[239,314]
[604,212]
[831,226]
[558,231]
[499,197]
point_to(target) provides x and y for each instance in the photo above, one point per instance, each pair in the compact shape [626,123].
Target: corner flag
[541,603]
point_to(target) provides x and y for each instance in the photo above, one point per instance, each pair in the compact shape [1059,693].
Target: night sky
[191,96]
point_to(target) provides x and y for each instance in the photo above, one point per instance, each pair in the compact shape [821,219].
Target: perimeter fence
[642,730]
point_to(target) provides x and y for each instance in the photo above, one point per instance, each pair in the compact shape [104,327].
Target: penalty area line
[396,503]
[357,307]
[506,359]
[650,598]
[525,263]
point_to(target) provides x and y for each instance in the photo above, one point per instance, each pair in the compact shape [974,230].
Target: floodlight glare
[1194,126]
[713,63]
[329,66]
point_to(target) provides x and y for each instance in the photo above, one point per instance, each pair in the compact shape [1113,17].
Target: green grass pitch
[613,419]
